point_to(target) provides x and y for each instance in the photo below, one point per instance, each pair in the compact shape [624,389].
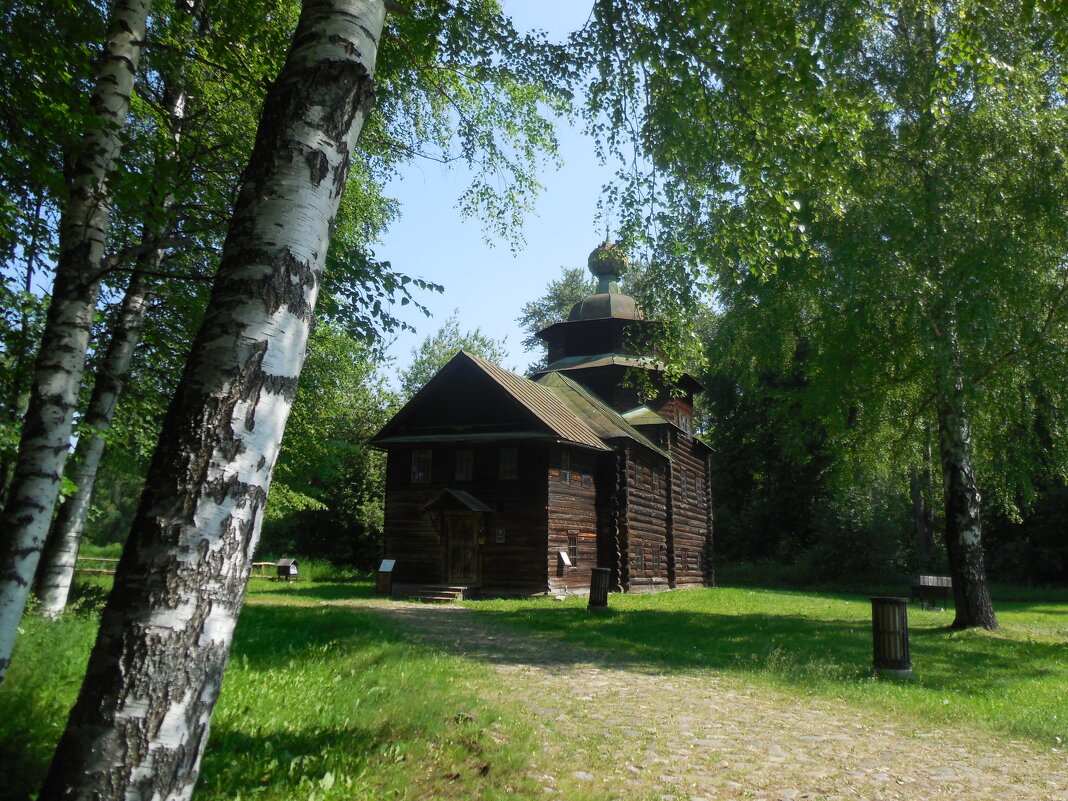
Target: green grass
[1013,681]
[330,702]
[318,702]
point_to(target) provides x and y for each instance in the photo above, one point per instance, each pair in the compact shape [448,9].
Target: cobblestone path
[625,731]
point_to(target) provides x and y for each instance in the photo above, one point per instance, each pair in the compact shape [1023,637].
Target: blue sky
[487,284]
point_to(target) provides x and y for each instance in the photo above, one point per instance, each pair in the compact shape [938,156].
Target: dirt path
[624,731]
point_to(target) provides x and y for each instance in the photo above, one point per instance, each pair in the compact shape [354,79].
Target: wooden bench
[102,565]
[928,589]
[262,570]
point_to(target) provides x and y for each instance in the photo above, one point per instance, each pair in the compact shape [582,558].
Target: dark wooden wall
[609,504]
[647,518]
[674,409]
[573,512]
[689,507]
[514,566]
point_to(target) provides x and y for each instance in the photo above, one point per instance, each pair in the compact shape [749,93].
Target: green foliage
[456,82]
[873,199]
[438,348]
[808,645]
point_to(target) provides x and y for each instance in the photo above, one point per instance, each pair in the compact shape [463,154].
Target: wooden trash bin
[890,637]
[599,578]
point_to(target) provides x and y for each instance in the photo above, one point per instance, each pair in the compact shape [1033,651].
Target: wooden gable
[471,399]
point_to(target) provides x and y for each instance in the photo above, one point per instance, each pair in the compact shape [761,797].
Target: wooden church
[504,485]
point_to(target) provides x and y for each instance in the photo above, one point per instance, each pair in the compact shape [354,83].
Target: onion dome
[607,262]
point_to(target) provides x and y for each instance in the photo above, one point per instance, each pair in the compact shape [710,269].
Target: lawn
[1011,681]
[325,702]
[318,703]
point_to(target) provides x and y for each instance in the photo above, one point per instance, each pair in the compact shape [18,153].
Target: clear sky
[488,285]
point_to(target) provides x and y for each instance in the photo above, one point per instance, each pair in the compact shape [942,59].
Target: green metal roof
[604,360]
[644,416]
[594,412]
[549,409]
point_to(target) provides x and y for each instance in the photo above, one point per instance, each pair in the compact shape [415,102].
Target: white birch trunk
[60,554]
[141,721]
[46,427]
[55,573]
[964,532]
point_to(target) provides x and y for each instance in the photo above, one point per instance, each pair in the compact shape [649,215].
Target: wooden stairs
[440,593]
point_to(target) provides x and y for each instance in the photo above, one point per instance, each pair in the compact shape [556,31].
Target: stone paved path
[617,730]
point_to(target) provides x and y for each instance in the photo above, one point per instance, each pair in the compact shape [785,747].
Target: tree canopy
[875,200]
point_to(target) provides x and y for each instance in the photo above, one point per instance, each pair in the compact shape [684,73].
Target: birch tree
[60,554]
[141,721]
[61,357]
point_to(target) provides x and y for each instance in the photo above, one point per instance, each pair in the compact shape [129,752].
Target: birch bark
[46,428]
[141,720]
[964,543]
[60,554]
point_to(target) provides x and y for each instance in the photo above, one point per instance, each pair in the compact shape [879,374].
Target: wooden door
[462,548]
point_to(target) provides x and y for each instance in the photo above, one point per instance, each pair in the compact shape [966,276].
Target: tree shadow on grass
[237,762]
[790,646]
[274,636]
[316,591]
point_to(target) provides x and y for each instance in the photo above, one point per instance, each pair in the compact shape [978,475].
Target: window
[656,560]
[465,465]
[509,467]
[572,548]
[682,486]
[639,561]
[685,422]
[421,459]
[585,481]
[565,467]
[656,479]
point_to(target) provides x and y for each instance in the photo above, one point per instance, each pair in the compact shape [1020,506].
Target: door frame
[473,520]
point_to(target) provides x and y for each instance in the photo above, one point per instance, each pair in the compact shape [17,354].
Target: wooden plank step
[439,593]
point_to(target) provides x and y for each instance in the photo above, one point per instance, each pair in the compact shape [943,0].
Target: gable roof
[543,408]
[594,412]
[544,404]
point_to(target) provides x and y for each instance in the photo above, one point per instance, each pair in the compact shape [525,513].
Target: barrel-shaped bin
[599,578]
[890,637]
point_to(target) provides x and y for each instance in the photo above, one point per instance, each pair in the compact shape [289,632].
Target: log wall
[573,513]
[690,505]
[512,566]
[647,519]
